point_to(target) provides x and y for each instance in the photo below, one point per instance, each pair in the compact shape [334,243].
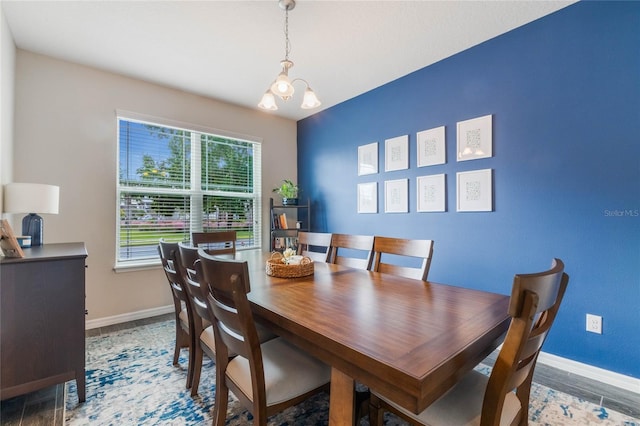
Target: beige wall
[7,65]
[65,134]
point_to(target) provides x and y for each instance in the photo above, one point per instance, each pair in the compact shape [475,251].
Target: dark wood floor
[45,407]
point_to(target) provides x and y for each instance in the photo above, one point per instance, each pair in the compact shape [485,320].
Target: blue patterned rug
[131,381]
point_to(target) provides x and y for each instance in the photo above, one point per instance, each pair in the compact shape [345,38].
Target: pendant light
[282,86]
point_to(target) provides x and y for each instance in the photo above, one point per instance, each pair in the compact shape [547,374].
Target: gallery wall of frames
[474,188]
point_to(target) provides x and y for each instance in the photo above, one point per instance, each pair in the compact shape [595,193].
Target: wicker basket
[276,268]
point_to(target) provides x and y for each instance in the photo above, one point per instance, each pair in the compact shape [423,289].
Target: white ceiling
[231,50]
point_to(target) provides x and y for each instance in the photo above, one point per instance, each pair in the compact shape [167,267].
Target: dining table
[409,340]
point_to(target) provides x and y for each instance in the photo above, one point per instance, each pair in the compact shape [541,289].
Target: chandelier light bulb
[282,86]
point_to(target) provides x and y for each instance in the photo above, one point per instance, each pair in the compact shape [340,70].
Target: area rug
[131,381]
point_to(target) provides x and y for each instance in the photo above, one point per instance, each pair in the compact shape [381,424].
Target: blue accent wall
[564,92]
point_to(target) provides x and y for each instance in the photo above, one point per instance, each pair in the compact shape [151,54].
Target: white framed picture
[396,153]
[396,198]
[474,138]
[431,147]
[368,197]
[368,159]
[431,195]
[474,191]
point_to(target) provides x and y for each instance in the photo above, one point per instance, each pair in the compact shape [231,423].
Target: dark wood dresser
[42,297]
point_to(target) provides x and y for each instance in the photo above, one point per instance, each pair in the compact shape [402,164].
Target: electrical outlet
[594,323]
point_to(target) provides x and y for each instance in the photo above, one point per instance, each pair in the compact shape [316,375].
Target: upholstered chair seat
[303,373]
[462,404]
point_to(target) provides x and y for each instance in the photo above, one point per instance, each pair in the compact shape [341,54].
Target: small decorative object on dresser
[8,241]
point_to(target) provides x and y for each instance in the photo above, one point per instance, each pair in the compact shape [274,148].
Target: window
[174,180]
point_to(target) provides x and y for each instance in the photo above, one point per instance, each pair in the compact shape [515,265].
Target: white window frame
[195,192]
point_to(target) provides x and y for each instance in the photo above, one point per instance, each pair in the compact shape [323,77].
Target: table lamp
[32,198]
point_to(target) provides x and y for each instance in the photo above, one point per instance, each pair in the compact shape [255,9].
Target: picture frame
[396,153]
[474,138]
[474,191]
[8,241]
[431,193]
[368,159]
[396,196]
[368,197]
[431,147]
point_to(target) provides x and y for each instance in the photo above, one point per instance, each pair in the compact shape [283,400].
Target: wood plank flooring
[46,407]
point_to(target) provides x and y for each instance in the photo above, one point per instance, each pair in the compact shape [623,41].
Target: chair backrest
[188,256]
[186,260]
[235,329]
[314,245]
[535,300]
[167,253]
[165,249]
[228,285]
[422,249]
[218,242]
[351,244]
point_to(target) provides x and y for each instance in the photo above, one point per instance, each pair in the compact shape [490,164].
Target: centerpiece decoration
[289,265]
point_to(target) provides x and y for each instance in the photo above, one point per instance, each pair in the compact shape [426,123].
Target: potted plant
[289,192]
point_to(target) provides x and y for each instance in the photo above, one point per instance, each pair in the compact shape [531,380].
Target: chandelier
[282,86]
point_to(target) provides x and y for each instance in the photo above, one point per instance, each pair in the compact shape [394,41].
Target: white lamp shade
[282,87]
[310,100]
[31,198]
[268,102]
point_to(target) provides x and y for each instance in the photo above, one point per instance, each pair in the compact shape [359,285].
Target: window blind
[173,181]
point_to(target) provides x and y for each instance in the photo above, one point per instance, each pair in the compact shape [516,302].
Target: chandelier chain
[287,43]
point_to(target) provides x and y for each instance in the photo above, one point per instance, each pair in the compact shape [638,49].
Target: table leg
[341,399]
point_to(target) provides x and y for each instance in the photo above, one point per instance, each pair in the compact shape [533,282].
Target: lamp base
[32,226]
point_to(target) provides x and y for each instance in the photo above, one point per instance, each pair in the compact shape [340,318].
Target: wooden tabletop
[409,340]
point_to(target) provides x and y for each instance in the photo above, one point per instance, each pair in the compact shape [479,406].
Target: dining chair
[420,249]
[181,305]
[478,399]
[204,342]
[219,242]
[314,245]
[358,247]
[265,377]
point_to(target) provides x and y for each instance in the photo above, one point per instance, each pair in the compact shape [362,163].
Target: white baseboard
[628,383]
[621,381]
[132,316]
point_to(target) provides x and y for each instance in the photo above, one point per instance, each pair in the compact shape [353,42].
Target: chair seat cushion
[288,372]
[462,404]
[207,339]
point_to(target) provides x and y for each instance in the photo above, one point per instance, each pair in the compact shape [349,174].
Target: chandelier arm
[301,79]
